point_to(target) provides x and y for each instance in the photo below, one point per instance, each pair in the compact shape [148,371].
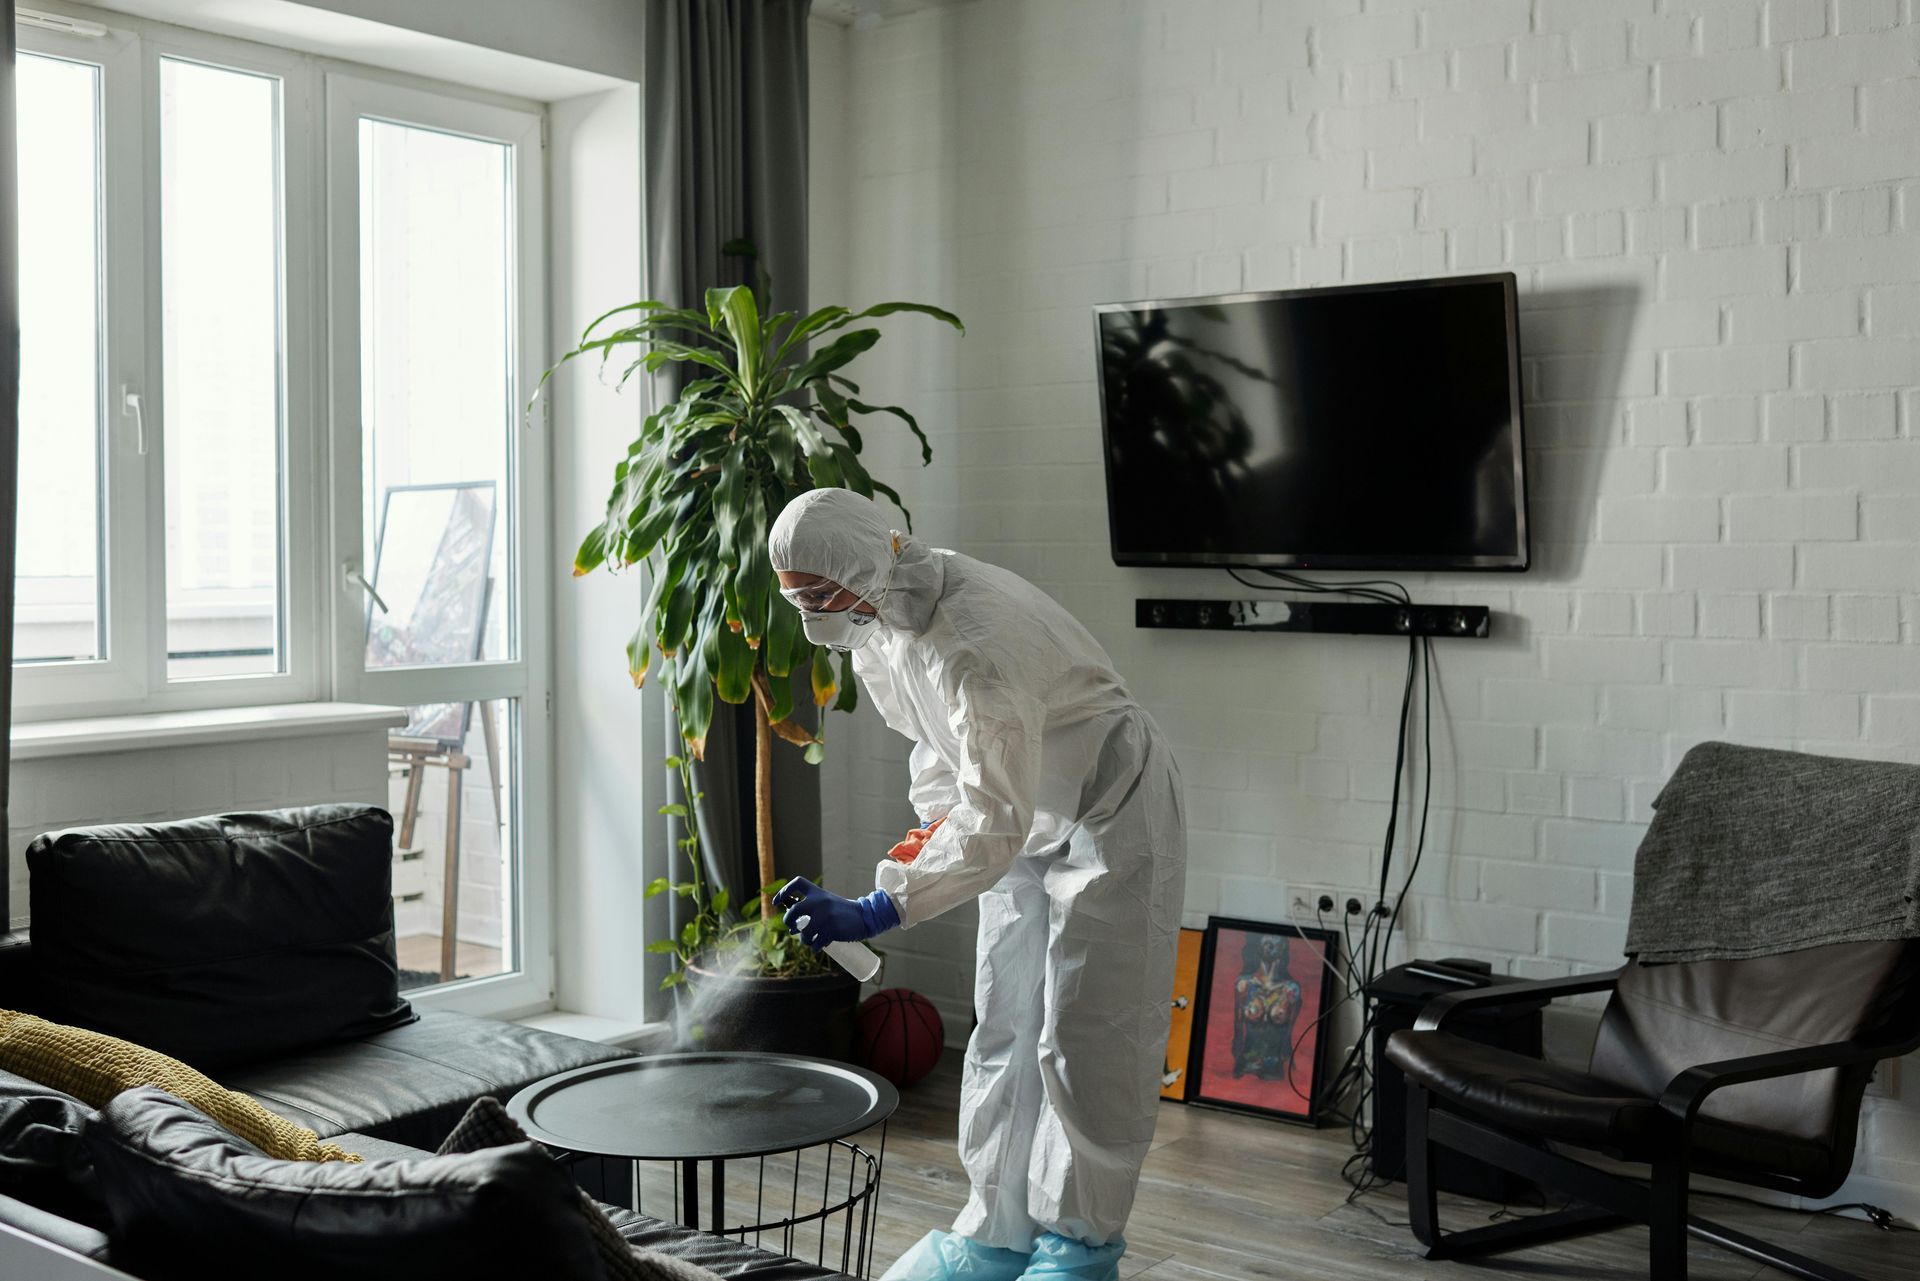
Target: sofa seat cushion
[1546,1100]
[724,1255]
[412,1084]
[190,1200]
[220,940]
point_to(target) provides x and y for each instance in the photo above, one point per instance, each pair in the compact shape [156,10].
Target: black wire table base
[844,1176]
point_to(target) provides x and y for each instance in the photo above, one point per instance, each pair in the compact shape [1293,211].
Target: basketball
[899,1035]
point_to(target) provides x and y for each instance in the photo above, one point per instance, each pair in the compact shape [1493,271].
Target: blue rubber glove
[831,918]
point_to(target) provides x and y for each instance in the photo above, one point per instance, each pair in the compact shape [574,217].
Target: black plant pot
[811,1015]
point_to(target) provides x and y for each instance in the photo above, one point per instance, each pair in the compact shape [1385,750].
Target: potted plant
[767,414]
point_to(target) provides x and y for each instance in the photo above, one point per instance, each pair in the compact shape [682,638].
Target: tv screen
[1355,427]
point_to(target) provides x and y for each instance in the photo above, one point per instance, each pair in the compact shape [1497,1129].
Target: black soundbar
[1470,622]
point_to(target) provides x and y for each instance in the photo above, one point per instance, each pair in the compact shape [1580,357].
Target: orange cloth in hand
[909,848]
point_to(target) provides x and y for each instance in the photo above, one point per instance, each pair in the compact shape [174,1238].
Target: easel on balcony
[447,624]
[414,754]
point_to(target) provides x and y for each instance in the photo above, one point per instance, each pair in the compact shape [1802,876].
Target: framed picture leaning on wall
[1186,987]
[1257,1020]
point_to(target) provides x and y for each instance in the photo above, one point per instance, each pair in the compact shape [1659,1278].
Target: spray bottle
[856,959]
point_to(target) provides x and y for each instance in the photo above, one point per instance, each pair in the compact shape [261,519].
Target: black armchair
[1751,1071]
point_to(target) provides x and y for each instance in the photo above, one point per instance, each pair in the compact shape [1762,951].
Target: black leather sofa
[393,1091]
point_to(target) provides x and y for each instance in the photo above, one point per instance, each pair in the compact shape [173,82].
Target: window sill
[648,1037]
[41,740]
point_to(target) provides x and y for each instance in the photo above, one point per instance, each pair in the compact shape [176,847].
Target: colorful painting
[1186,987]
[1257,1029]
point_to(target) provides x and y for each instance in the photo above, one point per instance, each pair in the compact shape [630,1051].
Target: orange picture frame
[1186,990]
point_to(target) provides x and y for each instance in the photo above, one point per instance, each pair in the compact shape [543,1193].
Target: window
[224,370]
[280,319]
[168,231]
[59,613]
[433,203]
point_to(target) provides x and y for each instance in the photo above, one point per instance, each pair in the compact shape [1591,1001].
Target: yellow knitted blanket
[93,1068]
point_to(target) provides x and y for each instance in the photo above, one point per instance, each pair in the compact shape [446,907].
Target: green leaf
[720,902]
[676,810]
[926,447]
[677,615]
[639,656]
[809,324]
[657,886]
[920,308]
[673,980]
[823,684]
[727,499]
[592,553]
[742,319]
[783,626]
[849,692]
[825,470]
[753,580]
[660,947]
[812,441]
[839,352]
[690,933]
[893,496]
[696,709]
[660,352]
[675,762]
[734,673]
[853,474]
[781,700]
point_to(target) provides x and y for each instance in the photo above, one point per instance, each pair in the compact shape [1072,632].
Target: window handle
[354,578]
[130,407]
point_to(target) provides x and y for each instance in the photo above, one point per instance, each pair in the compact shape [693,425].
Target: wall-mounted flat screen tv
[1354,427]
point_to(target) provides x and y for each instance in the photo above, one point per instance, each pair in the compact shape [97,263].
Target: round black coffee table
[721,1107]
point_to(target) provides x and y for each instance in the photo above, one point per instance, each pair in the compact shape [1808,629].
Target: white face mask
[843,629]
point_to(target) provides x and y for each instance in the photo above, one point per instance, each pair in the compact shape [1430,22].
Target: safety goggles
[814,599]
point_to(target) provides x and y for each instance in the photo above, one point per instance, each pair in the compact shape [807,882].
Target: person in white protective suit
[1054,802]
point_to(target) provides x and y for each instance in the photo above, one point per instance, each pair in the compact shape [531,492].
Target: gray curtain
[9,407]
[724,107]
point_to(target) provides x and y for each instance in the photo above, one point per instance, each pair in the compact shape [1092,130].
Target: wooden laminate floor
[1225,1196]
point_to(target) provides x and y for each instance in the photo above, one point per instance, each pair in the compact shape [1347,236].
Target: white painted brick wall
[1714,212]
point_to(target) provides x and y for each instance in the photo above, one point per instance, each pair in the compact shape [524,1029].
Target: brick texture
[1711,208]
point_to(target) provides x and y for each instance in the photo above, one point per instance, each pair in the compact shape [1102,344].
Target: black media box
[1398,996]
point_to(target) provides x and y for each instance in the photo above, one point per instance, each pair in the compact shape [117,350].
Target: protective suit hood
[841,535]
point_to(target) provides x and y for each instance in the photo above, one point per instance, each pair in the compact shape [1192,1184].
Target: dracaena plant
[768,413]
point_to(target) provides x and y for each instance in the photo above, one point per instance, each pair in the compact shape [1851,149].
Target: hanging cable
[1365,959]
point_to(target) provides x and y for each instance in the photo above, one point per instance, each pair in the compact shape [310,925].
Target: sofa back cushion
[189,1199]
[220,940]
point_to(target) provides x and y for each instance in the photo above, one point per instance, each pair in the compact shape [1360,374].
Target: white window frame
[117,677]
[133,675]
[350,96]
[321,100]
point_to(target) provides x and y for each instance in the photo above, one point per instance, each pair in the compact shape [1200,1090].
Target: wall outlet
[1303,903]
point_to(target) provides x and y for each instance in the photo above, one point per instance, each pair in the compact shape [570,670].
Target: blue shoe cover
[942,1256]
[1058,1258]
